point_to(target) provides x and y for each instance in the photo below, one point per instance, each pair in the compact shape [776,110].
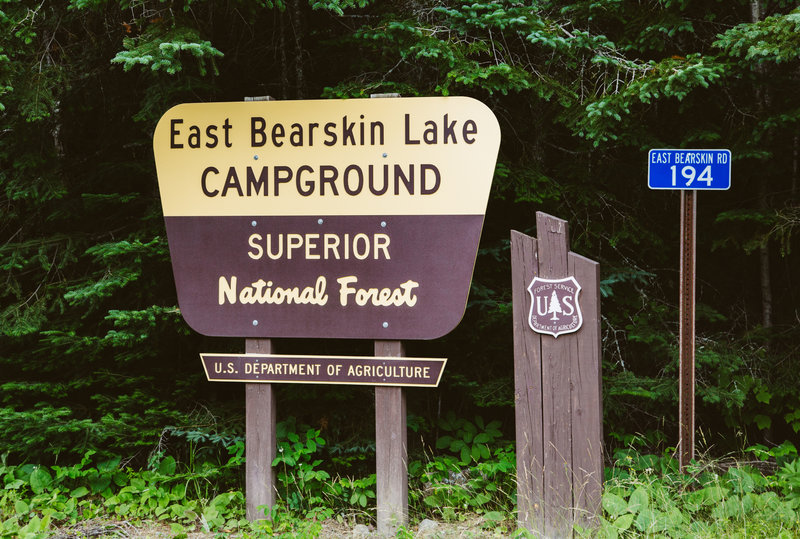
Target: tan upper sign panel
[404,156]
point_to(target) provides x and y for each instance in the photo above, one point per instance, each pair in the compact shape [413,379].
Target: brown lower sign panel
[351,370]
[356,277]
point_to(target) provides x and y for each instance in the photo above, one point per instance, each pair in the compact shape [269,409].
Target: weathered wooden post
[261,439]
[556,314]
[391,440]
[391,449]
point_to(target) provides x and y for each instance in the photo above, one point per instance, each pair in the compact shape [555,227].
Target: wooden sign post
[557,381]
[261,440]
[391,449]
[391,440]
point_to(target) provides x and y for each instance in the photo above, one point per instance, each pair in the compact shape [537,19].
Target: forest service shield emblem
[554,306]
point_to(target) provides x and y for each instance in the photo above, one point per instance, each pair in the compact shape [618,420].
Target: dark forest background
[94,353]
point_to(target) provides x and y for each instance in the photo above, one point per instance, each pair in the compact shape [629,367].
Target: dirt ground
[331,529]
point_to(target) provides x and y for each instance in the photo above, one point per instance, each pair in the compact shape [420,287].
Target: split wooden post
[557,390]
[261,439]
[527,388]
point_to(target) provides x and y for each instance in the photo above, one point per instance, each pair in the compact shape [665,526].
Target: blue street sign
[689,169]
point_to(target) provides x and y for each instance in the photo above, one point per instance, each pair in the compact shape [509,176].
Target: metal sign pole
[687,331]
[688,170]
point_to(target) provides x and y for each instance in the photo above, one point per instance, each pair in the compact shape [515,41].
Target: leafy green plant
[781,454]
[647,494]
[477,477]
[358,492]
[40,496]
[788,480]
[470,441]
[160,48]
[445,486]
[301,481]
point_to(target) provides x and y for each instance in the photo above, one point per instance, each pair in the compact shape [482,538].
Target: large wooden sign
[351,219]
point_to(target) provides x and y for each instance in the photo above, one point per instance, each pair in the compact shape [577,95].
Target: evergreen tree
[555,306]
[93,351]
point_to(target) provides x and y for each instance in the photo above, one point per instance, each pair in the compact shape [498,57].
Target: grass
[648,495]
[756,495]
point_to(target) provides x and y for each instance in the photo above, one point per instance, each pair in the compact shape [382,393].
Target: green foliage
[449,488]
[781,454]
[499,47]
[95,356]
[644,494]
[161,49]
[470,441]
[338,6]
[301,481]
[751,231]
[40,497]
[669,78]
[477,477]
[774,39]
[647,494]
[358,492]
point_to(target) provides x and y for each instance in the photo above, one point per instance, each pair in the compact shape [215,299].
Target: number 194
[690,174]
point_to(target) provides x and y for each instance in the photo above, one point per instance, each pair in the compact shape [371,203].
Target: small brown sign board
[355,218]
[557,381]
[351,370]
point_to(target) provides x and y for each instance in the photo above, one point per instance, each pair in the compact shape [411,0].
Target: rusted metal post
[686,331]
